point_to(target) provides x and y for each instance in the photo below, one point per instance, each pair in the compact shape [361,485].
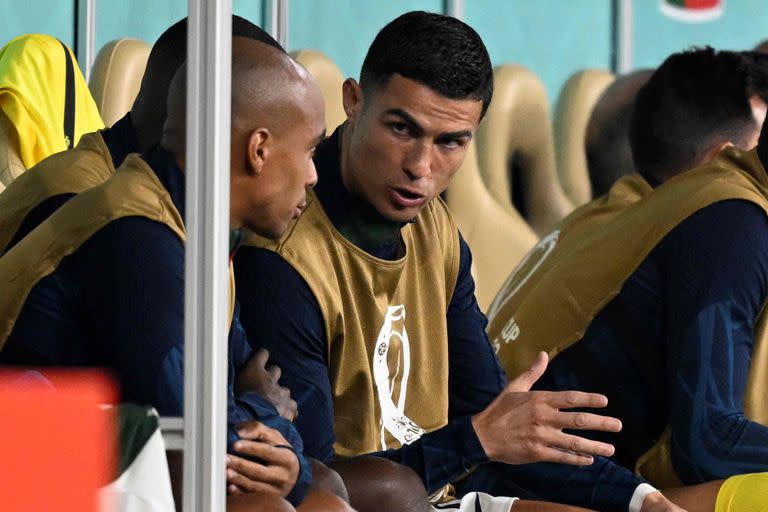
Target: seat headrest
[574,106]
[11,165]
[517,130]
[329,78]
[116,77]
[498,238]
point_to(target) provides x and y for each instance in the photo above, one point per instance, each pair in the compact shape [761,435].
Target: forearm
[250,406]
[601,486]
[442,456]
[715,446]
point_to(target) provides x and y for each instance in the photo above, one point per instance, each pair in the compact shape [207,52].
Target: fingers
[261,358]
[290,409]
[579,445]
[237,468]
[549,454]
[585,421]
[257,431]
[275,372]
[575,399]
[269,454]
[238,482]
[525,380]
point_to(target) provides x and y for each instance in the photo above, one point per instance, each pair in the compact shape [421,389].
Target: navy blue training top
[118,302]
[695,300]
[281,313]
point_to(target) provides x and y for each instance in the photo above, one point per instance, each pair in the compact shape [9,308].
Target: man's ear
[716,149]
[352,98]
[259,149]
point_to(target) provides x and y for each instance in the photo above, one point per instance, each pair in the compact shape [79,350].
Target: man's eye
[453,143]
[399,128]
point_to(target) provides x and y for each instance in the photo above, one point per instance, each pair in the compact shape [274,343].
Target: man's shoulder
[75,170]
[742,223]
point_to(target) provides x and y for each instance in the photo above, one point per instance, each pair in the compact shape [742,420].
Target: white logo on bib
[393,342]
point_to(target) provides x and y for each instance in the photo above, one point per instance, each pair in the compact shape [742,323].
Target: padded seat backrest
[11,165]
[574,106]
[116,77]
[515,149]
[498,237]
[329,78]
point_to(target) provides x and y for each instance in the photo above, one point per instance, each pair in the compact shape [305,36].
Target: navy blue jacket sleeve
[241,408]
[280,313]
[715,266]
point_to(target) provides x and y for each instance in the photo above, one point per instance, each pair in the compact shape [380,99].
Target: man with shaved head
[45,187]
[103,277]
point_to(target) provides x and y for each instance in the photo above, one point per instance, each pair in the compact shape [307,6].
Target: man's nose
[311,176]
[418,163]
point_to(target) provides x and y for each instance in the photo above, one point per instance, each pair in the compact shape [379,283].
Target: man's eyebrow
[405,116]
[456,135]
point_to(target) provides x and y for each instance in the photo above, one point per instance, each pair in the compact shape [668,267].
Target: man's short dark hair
[441,52]
[167,55]
[694,100]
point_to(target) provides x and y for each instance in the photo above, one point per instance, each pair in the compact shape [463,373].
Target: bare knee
[540,506]
[328,480]
[374,483]
[323,501]
[258,502]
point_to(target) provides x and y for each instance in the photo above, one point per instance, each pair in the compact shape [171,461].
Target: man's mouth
[405,197]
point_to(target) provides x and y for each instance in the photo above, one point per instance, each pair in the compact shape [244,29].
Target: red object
[702,4]
[57,443]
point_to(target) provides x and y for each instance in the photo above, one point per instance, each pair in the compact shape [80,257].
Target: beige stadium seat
[577,99]
[498,237]
[515,149]
[116,77]
[329,78]
[11,165]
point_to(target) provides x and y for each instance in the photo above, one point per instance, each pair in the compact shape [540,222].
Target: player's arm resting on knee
[262,460]
[265,450]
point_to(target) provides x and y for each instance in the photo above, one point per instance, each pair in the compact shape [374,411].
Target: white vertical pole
[455,8]
[86,35]
[207,224]
[625,35]
[278,21]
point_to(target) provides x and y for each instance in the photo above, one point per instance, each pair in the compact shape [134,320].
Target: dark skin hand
[257,378]
[278,469]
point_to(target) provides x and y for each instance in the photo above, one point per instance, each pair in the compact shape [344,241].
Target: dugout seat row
[513,187]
